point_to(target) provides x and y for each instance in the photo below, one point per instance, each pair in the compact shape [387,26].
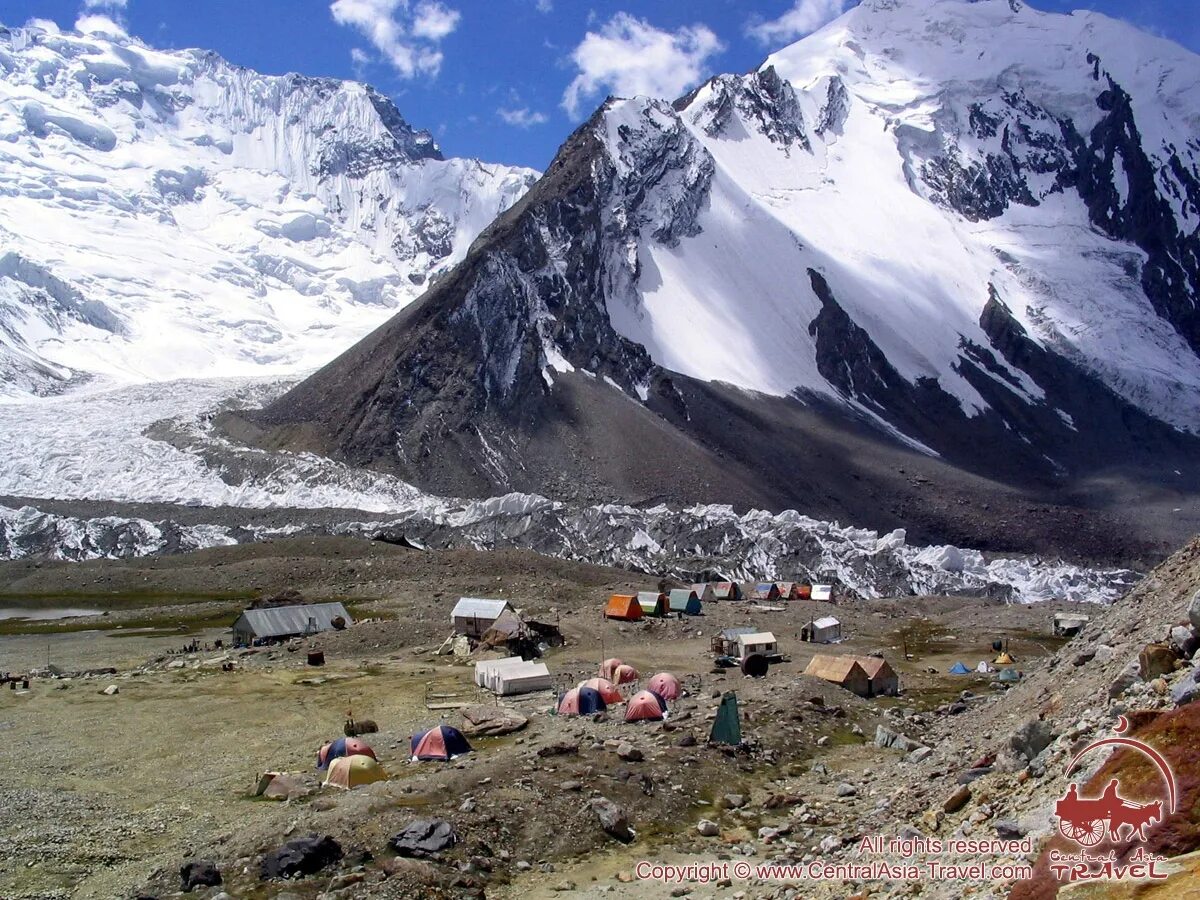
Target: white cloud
[629,56]
[47,25]
[523,117]
[99,24]
[105,4]
[805,17]
[407,37]
[544,6]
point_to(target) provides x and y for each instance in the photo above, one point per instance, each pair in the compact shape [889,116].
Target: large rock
[1156,660]
[198,873]
[612,819]
[424,837]
[1187,689]
[285,786]
[491,721]
[886,738]
[957,800]
[1193,611]
[302,856]
[1183,640]
[708,828]
[1125,680]
[1031,738]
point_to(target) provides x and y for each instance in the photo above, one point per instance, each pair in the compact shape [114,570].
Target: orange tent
[665,685]
[608,667]
[624,674]
[645,706]
[623,606]
[604,688]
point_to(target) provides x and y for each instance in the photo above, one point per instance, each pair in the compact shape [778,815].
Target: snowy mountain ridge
[168,214]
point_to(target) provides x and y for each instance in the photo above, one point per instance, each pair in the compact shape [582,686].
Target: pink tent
[608,667]
[665,685]
[624,674]
[645,706]
[604,688]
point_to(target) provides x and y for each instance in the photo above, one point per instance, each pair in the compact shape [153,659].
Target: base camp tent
[959,669]
[788,590]
[727,590]
[344,746]
[653,603]
[623,606]
[605,688]
[984,667]
[824,630]
[1004,659]
[1009,676]
[704,590]
[665,685]
[442,742]
[580,701]
[765,591]
[512,675]
[624,674]
[684,601]
[726,728]
[822,592]
[352,771]
[645,706]
[608,667]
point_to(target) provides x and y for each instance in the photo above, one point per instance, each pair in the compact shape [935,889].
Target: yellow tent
[351,771]
[1004,659]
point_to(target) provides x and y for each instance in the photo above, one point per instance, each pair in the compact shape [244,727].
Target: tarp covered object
[727,728]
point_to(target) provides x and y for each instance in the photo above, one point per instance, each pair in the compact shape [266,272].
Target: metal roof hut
[765,591]
[884,680]
[282,622]
[757,642]
[727,590]
[841,670]
[474,616]
[623,606]
[704,590]
[824,630]
[684,600]
[726,643]
[653,603]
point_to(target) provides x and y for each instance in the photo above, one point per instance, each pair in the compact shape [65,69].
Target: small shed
[684,600]
[726,643]
[1069,624]
[623,606]
[704,590]
[512,675]
[884,680]
[825,630]
[283,622]
[841,670]
[653,603]
[822,592]
[757,642]
[727,590]
[766,591]
[474,616]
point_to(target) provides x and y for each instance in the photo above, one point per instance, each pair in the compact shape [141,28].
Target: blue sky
[508,80]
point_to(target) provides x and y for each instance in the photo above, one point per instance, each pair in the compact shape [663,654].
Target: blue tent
[580,701]
[441,742]
[959,669]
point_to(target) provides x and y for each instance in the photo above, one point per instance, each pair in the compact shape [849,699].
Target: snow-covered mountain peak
[221,220]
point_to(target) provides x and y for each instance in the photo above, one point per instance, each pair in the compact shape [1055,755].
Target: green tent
[726,727]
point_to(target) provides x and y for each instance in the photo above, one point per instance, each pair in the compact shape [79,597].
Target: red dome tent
[442,742]
[665,685]
[581,701]
[605,688]
[608,667]
[645,706]
[624,674]
[344,746]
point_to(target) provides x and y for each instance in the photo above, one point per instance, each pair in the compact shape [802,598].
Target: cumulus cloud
[99,24]
[805,17]
[406,35]
[629,56]
[523,117]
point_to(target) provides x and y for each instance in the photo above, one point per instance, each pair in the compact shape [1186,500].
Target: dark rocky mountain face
[536,364]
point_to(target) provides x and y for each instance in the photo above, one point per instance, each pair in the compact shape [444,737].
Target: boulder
[886,738]
[285,786]
[686,740]
[302,856]
[708,828]
[846,789]
[1187,689]
[198,873]
[1193,611]
[1031,738]
[111,690]
[559,748]
[1183,640]
[1156,660]
[488,721]
[957,800]
[1008,830]
[733,801]
[612,819]
[920,754]
[424,837]
[629,753]
[1123,682]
